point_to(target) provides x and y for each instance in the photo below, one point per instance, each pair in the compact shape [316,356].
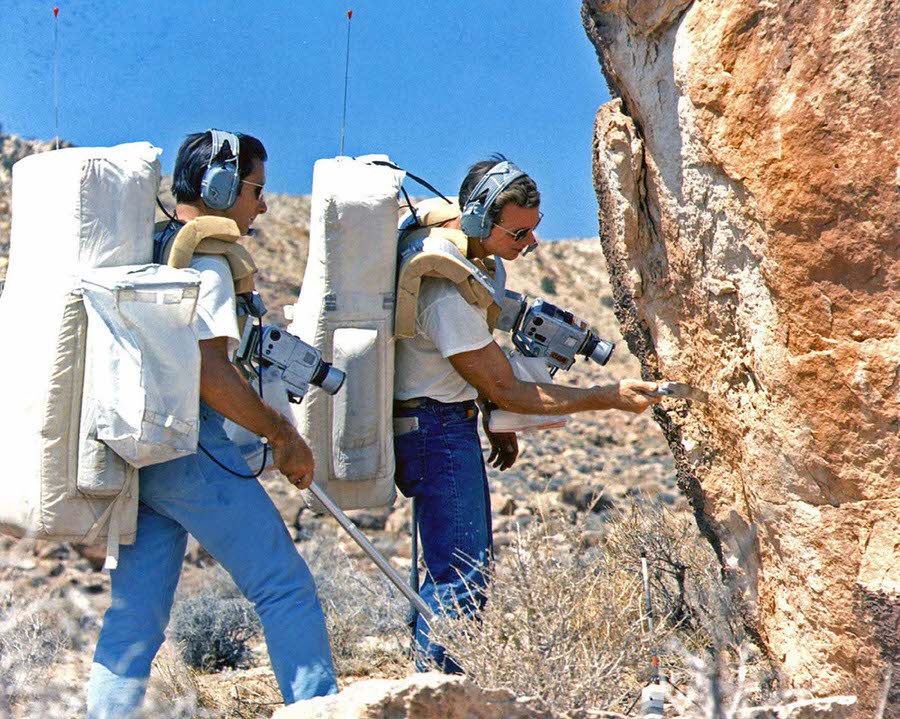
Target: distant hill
[570,272]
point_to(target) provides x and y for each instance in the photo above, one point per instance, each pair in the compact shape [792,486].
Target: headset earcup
[473,222]
[219,187]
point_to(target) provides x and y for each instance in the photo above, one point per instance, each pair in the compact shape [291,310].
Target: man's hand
[293,457]
[504,446]
[635,395]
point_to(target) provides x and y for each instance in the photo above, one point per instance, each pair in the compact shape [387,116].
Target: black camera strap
[265,456]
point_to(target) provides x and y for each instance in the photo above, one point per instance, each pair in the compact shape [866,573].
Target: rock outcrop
[748,178]
[421,696]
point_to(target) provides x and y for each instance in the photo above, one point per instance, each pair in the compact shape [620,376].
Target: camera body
[540,329]
[300,364]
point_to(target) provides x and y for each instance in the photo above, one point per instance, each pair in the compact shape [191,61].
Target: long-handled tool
[373,553]
[414,560]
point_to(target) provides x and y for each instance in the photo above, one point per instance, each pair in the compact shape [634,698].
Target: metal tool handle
[373,553]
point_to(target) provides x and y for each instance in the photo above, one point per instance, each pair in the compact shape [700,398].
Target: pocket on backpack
[144,360]
[357,431]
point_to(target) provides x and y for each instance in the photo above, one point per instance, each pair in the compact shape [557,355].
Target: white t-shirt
[445,325]
[216,306]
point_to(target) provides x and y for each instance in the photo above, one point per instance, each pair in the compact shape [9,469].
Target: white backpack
[346,310]
[73,211]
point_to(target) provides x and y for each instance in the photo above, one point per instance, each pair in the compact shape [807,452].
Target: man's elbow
[506,395]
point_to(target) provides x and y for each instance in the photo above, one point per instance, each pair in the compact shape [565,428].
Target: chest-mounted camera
[540,329]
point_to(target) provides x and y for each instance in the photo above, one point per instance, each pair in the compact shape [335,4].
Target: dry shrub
[252,694]
[213,627]
[686,584]
[178,692]
[173,689]
[565,620]
[34,637]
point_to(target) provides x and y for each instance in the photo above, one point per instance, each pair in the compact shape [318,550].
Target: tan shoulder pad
[437,211]
[181,248]
[208,235]
[435,252]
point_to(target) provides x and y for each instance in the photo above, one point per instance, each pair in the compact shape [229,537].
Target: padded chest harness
[210,235]
[442,252]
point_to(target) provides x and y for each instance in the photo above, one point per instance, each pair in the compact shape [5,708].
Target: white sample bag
[527,369]
[274,394]
[143,360]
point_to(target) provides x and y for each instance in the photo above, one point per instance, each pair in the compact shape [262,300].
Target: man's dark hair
[522,191]
[193,159]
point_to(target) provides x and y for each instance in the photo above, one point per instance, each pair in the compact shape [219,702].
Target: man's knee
[281,584]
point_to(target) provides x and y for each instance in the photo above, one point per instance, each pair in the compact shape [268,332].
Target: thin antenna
[56,72]
[653,696]
[648,608]
[346,82]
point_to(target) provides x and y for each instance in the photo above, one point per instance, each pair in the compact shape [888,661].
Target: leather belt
[419,402]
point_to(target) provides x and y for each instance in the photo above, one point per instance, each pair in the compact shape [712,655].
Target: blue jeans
[440,464]
[237,523]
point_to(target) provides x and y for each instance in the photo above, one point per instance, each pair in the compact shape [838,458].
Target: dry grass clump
[34,638]
[364,612]
[686,585]
[565,618]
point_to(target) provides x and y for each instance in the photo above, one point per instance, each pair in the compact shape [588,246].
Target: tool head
[680,390]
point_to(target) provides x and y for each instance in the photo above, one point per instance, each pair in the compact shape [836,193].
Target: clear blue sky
[435,85]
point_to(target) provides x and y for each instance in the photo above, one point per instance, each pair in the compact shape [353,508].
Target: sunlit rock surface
[748,177]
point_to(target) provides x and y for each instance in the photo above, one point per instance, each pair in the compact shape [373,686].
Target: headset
[222,178]
[475,220]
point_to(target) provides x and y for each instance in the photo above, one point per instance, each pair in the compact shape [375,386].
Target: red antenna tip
[56,12]
[349,14]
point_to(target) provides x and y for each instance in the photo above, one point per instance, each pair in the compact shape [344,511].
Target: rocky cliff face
[748,177]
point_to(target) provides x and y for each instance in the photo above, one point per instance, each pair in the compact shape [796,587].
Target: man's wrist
[282,431]
[606,396]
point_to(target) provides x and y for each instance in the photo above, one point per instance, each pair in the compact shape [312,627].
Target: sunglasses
[257,188]
[519,235]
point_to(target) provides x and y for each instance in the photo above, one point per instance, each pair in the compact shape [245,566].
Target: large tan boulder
[421,696]
[748,177]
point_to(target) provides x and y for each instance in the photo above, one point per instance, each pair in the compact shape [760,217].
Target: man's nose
[262,206]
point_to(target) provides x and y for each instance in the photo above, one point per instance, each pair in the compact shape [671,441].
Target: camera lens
[597,349]
[274,335]
[328,378]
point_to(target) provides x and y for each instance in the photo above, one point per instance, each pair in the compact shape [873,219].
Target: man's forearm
[554,399]
[223,388]
[489,371]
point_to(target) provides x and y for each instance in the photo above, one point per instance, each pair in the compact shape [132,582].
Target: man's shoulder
[216,262]
[437,288]
[441,302]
